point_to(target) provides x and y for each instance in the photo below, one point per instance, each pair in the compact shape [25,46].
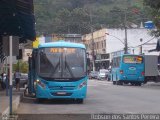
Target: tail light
[121,71]
[142,73]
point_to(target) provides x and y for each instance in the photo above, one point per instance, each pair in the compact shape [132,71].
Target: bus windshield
[62,63]
[132,59]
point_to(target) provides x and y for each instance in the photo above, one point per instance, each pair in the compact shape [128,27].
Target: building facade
[136,39]
[96,48]
[106,42]
[26,53]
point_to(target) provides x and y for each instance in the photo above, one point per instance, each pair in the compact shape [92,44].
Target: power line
[143,43]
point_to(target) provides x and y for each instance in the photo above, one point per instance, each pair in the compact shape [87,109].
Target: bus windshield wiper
[67,66]
[57,65]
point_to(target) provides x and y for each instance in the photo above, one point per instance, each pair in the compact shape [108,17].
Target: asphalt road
[102,97]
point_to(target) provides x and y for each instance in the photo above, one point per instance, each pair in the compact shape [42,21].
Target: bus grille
[61,87]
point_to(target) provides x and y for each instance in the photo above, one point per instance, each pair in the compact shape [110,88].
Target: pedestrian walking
[17,76]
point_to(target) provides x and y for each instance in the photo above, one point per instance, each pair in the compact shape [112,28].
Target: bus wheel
[114,82]
[126,83]
[138,84]
[79,101]
[145,81]
[39,100]
[132,84]
[119,83]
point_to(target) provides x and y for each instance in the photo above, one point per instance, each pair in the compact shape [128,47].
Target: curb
[15,105]
[27,98]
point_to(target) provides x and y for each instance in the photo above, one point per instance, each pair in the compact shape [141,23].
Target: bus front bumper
[51,94]
[132,78]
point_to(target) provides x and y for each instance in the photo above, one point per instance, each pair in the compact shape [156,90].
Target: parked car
[103,74]
[23,80]
[93,75]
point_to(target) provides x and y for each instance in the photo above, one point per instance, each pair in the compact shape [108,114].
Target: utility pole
[141,46]
[92,42]
[93,54]
[125,28]
[10,72]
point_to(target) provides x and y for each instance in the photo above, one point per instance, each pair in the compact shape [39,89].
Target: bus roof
[61,43]
[126,55]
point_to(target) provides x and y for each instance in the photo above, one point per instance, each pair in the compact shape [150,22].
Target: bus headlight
[37,80]
[41,84]
[84,83]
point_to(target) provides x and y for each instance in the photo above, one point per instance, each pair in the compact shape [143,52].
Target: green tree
[155,12]
[21,66]
[73,16]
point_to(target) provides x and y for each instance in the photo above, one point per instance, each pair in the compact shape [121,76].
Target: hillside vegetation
[77,16]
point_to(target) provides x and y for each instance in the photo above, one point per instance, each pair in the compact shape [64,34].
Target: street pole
[93,55]
[141,46]
[18,64]
[125,28]
[141,49]
[92,40]
[133,51]
[6,71]
[10,73]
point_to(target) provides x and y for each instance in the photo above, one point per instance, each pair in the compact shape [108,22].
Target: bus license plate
[61,93]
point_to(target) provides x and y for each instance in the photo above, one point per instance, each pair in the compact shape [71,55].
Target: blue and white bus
[59,70]
[128,68]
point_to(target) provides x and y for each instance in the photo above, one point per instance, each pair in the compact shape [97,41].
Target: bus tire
[139,84]
[126,83]
[145,81]
[132,83]
[39,100]
[119,83]
[114,82]
[79,101]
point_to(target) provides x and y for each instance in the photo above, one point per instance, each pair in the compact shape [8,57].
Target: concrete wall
[26,53]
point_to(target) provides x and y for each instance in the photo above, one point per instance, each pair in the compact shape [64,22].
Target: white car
[103,74]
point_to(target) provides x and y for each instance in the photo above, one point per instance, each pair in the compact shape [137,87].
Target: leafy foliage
[155,12]
[22,66]
[77,16]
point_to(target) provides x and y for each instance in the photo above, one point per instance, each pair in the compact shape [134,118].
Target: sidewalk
[4,101]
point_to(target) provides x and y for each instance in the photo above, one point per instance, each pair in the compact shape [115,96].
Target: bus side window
[118,61]
[114,63]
